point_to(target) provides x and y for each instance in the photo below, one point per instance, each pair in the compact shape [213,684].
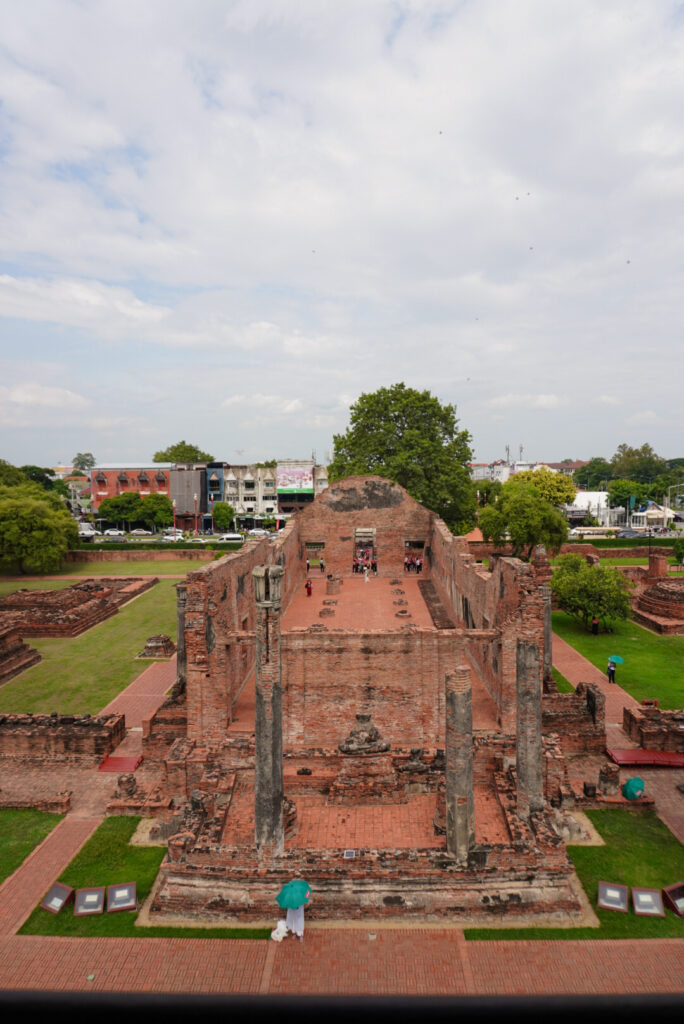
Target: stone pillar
[268,776]
[181,658]
[548,634]
[528,747]
[460,813]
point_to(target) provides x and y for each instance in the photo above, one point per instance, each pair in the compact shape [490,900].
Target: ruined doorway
[365,549]
[414,554]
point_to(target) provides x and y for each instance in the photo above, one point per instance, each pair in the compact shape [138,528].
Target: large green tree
[39,475]
[124,508]
[556,488]
[36,531]
[83,460]
[409,437]
[522,516]
[10,476]
[640,464]
[156,511]
[596,472]
[620,492]
[223,514]
[182,451]
[584,591]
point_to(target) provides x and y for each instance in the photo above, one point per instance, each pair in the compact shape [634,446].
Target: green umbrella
[616,658]
[294,894]
[633,788]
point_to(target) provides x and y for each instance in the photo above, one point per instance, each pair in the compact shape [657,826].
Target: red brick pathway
[145,694]
[418,962]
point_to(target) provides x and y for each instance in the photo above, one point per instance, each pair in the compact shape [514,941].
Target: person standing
[308,586]
[321,565]
[595,626]
[611,671]
[307,565]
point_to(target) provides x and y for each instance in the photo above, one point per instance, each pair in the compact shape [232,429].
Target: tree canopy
[36,531]
[520,514]
[556,488]
[10,476]
[182,451]
[409,437]
[223,514]
[156,511]
[584,591]
[83,460]
[39,475]
[124,508]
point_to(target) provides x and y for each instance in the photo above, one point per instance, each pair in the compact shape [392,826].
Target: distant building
[110,479]
[298,483]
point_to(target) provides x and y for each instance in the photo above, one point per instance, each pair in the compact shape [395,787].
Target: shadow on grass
[639,851]
[108,859]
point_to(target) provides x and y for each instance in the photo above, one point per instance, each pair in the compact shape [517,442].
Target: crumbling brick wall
[395,675]
[15,655]
[59,739]
[655,729]
[69,612]
[578,718]
[359,502]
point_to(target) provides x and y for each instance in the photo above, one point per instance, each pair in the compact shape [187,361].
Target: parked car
[113,532]
[170,537]
[258,533]
[141,533]
[628,533]
[227,538]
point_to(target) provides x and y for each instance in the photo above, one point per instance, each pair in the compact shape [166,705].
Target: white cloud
[266,198]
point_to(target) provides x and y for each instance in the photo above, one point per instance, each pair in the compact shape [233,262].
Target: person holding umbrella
[613,660]
[292,898]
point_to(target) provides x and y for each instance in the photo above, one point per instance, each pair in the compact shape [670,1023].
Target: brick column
[268,776]
[528,746]
[548,634]
[181,659]
[460,814]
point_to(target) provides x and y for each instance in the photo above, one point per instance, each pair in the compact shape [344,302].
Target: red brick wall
[64,739]
[339,510]
[397,677]
[95,555]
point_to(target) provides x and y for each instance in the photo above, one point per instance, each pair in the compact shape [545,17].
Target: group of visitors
[321,565]
[413,563]
[365,564]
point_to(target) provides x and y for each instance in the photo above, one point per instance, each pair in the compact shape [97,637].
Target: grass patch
[561,682]
[170,568]
[107,859]
[10,586]
[20,832]
[86,672]
[654,665]
[640,851]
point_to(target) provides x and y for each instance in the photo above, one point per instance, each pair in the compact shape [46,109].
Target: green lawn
[20,832]
[172,568]
[654,665]
[31,583]
[107,859]
[640,851]
[86,672]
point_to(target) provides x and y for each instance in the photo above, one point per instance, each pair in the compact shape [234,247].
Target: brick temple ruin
[395,738]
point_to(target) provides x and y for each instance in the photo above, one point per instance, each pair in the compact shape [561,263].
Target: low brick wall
[654,729]
[161,729]
[76,740]
[578,718]
[140,556]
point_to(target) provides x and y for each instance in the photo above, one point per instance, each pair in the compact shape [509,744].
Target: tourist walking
[308,586]
[611,671]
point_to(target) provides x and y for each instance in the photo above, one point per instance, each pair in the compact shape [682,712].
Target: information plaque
[122,897]
[56,897]
[648,902]
[89,901]
[612,896]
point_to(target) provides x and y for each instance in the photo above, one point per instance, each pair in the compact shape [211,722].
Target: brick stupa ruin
[388,738]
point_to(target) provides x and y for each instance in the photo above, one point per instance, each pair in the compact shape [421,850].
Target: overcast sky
[222,221]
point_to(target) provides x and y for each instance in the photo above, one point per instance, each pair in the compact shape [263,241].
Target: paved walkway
[144,695]
[345,962]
